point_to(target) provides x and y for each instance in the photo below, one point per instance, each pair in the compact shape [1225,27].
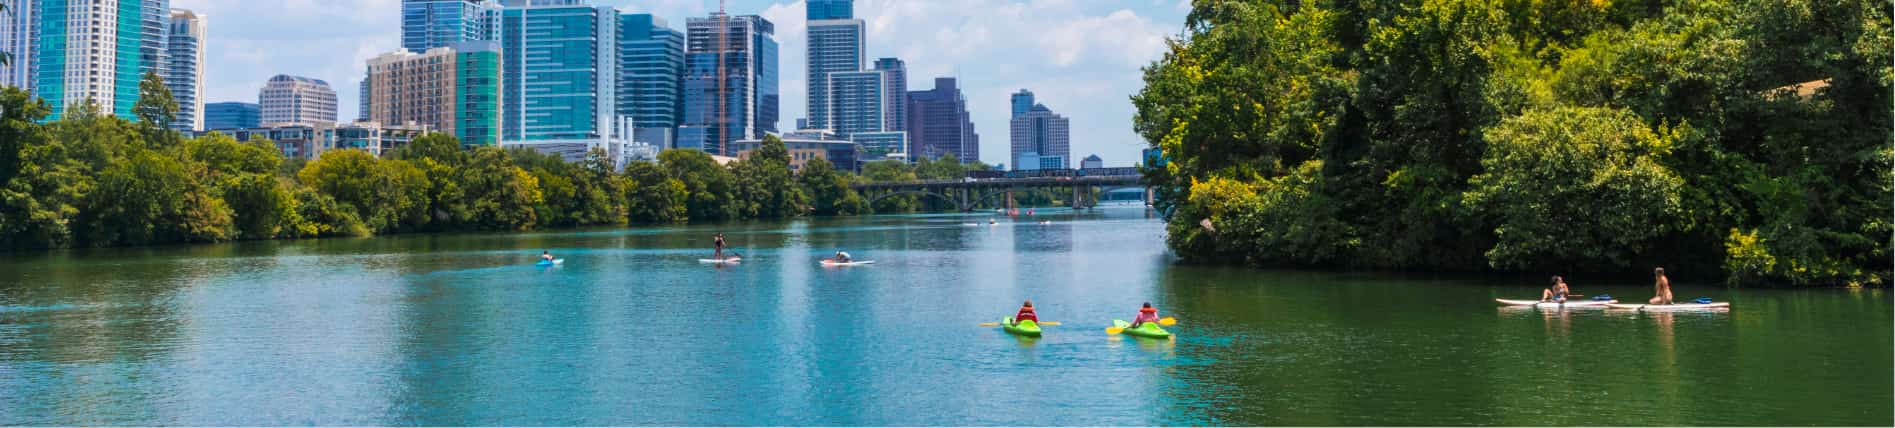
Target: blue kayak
[550,262]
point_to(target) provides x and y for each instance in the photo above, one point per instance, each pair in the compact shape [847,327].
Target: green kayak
[1025,328]
[1149,329]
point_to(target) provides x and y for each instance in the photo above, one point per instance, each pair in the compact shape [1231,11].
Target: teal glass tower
[559,71]
[732,96]
[429,24]
[650,77]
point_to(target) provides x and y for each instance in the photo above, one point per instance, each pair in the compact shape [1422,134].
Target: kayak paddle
[995,324]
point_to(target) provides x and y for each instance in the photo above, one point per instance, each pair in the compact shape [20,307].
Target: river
[631,329]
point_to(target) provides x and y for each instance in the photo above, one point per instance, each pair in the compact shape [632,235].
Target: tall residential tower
[184,69]
[1041,140]
[559,73]
[97,50]
[939,124]
[17,38]
[429,24]
[295,99]
[835,46]
[650,78]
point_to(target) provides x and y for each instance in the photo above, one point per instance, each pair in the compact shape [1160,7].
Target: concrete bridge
[967,194]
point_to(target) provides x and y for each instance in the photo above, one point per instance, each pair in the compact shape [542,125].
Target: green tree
[156,111]
[388,196]
[892,171]
[708,186]
[765,186]
[500,196]
[652,196]
[828,190]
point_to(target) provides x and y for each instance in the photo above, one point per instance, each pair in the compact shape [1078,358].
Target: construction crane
[723,98]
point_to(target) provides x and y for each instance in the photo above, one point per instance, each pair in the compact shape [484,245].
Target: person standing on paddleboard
[717,246]
[1556,292]
[1145,314]
[1026,313]
[1661,287]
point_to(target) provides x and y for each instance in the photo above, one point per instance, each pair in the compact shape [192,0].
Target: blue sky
[1081,57]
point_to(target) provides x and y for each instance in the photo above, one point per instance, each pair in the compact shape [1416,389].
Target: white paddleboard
[721,261]
[854,263]
[1673,307]
[1567,304]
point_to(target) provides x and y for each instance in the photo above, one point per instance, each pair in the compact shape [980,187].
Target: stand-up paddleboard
[829,262]
[1672,307]
[722,261]
[1566,304]
[550,262]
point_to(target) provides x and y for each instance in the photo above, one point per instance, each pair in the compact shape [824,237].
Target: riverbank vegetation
[1747,140]
[91,179]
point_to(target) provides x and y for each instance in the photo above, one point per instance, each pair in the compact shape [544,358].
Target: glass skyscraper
[429,24]
[97,50]
[835,46]
[559,72]
[184,69]
[232,115]
[939,124]
[895,82]
[1041,139]
[650,77]
[857,101]
[748,108]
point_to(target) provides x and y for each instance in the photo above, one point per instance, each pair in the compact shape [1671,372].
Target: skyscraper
[453,89]
[429,24]
[560,72]
[295,99]
[938,123]
[1022,102]
[97,50]
[857,101]
[650,77]
[1041,140]
[184,69]
[17,30]
[232,115]
[835,45]
[895,80]
[748,84]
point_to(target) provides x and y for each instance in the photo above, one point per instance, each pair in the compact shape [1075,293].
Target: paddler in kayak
[1556,292]
[546,256]
[717,246]
[1662,287]
[1026,313]
[1145,314]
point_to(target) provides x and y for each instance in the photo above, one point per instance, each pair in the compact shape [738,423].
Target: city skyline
[1082,54]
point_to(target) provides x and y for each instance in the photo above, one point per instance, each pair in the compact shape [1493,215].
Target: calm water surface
[460,329]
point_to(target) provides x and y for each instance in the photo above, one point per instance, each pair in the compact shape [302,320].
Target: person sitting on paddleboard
[1026,313]
[1556,292]
[1662,288]
[842,257]
[546,255]
[717,246]
[1145,314]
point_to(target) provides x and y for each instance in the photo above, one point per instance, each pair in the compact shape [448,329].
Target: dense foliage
[1533,136]
[91,179]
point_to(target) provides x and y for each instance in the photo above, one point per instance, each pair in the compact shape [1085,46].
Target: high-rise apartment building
[733,95]
[895,83]
[650,77]
[857,101]
[939,124]
[1041,140]
[17,30]
[836,45]
[295,99]
[453,89]
[560,72]
[429,24]
[184,68]
[232,115]
[97,50]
